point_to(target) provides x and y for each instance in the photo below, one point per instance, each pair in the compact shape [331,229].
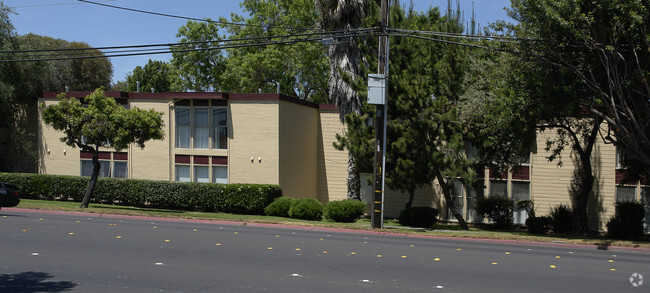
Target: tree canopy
[157,75]
[297,67]
[100,122]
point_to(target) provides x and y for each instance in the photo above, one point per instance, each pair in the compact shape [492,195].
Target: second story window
[201,124]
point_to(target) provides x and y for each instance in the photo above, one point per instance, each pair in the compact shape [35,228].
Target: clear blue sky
[102,26]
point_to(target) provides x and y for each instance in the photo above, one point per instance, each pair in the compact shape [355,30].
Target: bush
[306,209]
[348,210]
[230,198]
[279,207]
[424,217]
[497,208]
[627,222]
[539,225]
[563,219]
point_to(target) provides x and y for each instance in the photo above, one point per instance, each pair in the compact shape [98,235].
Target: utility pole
[380,122]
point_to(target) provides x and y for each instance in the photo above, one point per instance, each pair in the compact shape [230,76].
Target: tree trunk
[450,201]
[409,202]
[580,209]
[93,181]
[354,180]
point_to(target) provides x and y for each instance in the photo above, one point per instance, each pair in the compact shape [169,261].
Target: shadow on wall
[595,205]
[28,282]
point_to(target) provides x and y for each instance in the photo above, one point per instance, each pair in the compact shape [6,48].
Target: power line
[332,34]
[192,18]
[172,50]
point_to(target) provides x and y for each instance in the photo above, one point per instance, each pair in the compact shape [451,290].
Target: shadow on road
[29,282]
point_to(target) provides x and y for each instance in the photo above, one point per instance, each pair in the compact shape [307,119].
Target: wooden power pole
[380,121]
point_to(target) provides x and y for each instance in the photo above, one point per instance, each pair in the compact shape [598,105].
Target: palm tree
[344,59]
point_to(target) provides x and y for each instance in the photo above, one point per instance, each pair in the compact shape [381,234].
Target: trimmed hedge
[539,225]
[424,217]
[497,208]
[347,210]
[306,209]
[627,222]
[279,207]
[229,198]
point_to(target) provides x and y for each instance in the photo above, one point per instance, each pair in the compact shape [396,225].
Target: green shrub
[627,222]
[539,225]
[497,208]
[348,210]
[279,207]
[306,209]
[424,217]
[230,198]
[563,219]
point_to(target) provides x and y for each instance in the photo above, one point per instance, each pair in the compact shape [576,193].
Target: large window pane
[201,174]
[220,174]
[456,193]
[520,191]
[220,128]
[201,129]
[473,193]
[120,170]
[105,169]
[182,127]
[498,188]
[86,168]
[183,173]
[625,193]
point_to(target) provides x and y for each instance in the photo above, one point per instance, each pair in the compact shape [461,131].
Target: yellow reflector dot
[270,248]
[167,240]
[436,259]
[379,255]
[70,233]
[507,253]
[118,237]
[403,256]
[553,266]
[611,260]
[495,263]
[297,249]
[613,270]
[557,256]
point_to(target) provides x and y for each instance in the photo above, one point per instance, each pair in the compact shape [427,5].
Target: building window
[183,173]
[474,192]
[120,170]
[456,193]
[498,187]
[201,174]
[202,169]
[182,127]
[201,126]
[219,128]
[201,129]
[520,191]
[625,193]
[220,174]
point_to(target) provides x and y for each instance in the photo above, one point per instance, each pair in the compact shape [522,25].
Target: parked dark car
[9,195]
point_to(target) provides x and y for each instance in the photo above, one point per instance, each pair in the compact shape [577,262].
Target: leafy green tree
[158,75]
[425,139]
[582,73]
[101,122]
[604,46]
[299,69]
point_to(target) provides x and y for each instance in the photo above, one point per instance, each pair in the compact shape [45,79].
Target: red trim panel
[121,156]
[521,173]
[203,160]
[220,160]
[182,159]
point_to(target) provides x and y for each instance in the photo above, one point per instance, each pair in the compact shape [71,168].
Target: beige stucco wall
[254,134]
[332,163]
[153,161]
[298,150]
[55,157]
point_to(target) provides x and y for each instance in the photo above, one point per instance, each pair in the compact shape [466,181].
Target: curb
[337,230]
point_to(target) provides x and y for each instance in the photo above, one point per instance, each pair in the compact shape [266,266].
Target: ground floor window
[625,193]
[202,169]
[520,191]
[118,170]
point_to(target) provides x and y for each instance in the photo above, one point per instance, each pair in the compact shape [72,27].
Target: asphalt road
[78,253]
